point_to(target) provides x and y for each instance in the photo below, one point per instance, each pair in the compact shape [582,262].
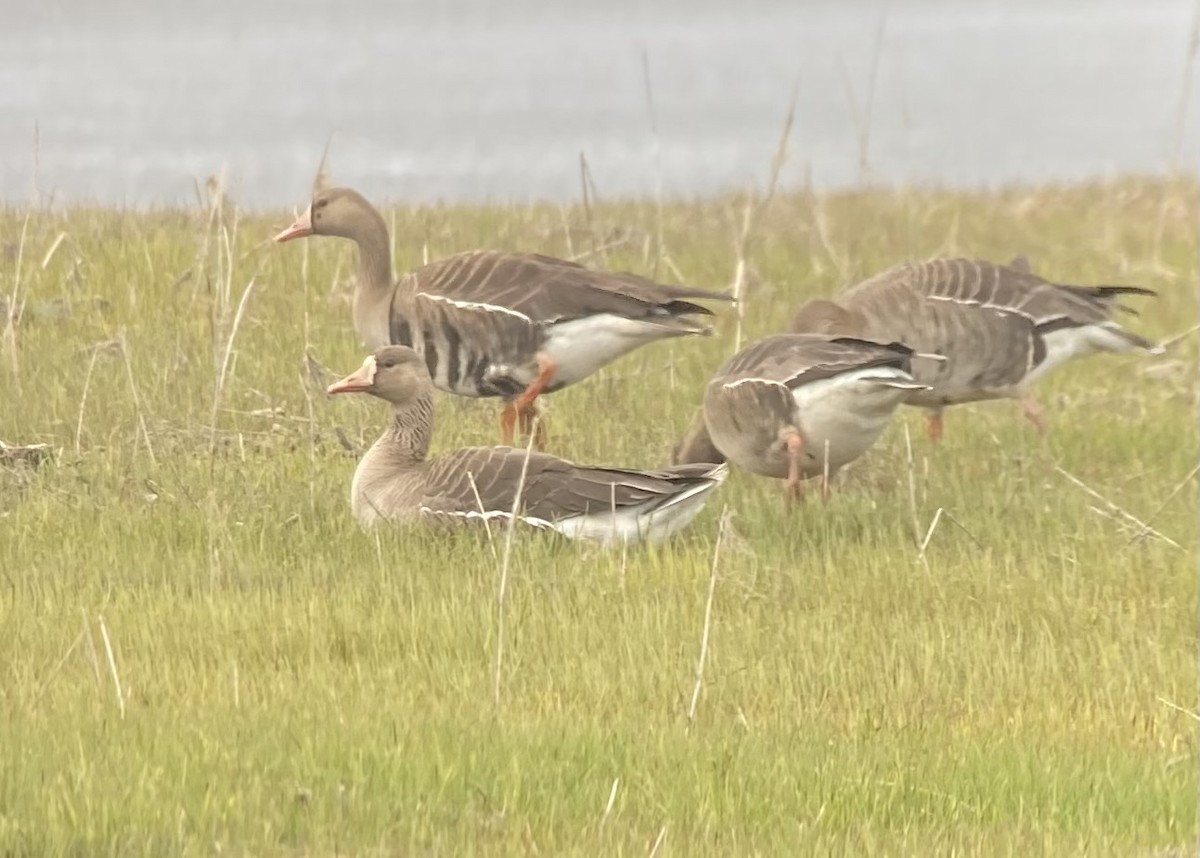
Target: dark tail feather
[678,292]
[898,347]
[671,293]
[1106,296]
[685,308]
[1107,293]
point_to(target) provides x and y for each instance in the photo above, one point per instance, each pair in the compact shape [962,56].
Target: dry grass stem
[112,665]
[1170,497]
[658,841]
[937,516]
[53,249]
[1193,715]
[487,527]
[137,400]
[702,658]
[1170,341]
[87,384]
[502,586]
[612,800]
[223,367]
[912,486]
[1116,510]
[584,182]
[93,656]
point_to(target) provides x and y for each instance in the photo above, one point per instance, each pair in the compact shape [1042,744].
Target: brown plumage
[490,323]
[395,481]
[979,331]
[794,406]
[999,327]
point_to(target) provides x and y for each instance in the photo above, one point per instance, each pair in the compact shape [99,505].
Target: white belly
[1066,344]
[581,347]
[840,418]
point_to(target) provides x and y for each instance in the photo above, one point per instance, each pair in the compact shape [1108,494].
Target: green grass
[294,686]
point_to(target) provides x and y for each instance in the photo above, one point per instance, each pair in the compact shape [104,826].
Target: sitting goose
[795,406]
[1000,327]
[489,323]
[394,481]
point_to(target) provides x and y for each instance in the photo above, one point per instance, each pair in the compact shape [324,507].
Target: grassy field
[200,653]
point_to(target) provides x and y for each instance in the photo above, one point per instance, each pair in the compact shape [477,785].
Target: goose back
[479,484]
[999,327]
[481,318]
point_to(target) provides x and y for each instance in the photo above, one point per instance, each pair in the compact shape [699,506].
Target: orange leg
[508,423]
[528,418]
[546,370]
[522,409]
[795,446]
[934,425]
[1034,414]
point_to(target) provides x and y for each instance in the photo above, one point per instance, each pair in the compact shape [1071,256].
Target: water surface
[472,100]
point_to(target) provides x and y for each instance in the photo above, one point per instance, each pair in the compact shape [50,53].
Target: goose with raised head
[796,406]
[395,481]
[1000,328]
[490,323]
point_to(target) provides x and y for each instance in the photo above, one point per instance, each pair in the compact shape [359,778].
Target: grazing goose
[1000,327]
[489,323]
[395,481]
[795,406]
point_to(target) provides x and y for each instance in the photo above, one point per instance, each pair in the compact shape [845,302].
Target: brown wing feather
[987,319]
[1001,288]
[797,359]
[549,290]
[467,479]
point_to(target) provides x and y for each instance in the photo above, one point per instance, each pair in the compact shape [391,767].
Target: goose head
[342,212]
[393,373]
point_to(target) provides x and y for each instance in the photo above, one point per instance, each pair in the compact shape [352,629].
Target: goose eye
[388,363]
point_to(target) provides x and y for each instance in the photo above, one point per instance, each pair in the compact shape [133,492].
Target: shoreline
[1182,178]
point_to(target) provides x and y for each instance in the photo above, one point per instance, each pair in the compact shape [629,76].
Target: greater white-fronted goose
[395,481]
[795,406]
[989,330]
[490,323]
[1000,327]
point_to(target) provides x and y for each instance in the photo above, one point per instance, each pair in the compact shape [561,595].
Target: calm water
[474,99]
